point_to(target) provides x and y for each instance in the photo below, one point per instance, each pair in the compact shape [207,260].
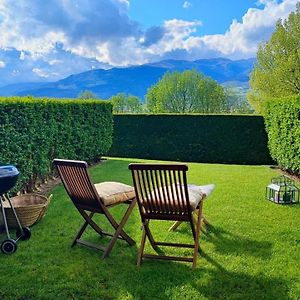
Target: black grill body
[8,179]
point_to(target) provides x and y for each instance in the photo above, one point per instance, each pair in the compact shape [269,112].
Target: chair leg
[142,247]
[119,230]
[150,236]
[81,230]
[204,220]
[112,221]
[91,222]
[198,227]
[195,220]
[174,226]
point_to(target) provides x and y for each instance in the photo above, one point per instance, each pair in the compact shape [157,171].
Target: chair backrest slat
[78,184]
[180,195]
[149,188]
[159,192]
[167,191]
[161,189]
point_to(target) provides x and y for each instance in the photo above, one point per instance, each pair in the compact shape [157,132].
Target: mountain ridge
[134,80]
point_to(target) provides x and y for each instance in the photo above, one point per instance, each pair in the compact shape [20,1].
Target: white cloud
[40,72]
[48,37]
[55,62]
[264,2]
[242,38]
[39,25]
[178,35]
[2,64]
[22,55]
[186,4]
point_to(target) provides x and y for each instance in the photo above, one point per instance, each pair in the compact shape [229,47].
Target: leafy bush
[123,103]
[232,139]
[186,92]
[35,131]
[276,73]
[282,118]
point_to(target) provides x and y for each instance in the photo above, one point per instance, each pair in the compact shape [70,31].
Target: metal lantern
[282,190]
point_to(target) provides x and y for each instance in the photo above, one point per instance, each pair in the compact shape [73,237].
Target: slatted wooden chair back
[161,190]
[81,190]
[78,184]
[162,194]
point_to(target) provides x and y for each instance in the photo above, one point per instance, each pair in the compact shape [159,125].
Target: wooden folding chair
[90,199]
[163,194]
[206,191]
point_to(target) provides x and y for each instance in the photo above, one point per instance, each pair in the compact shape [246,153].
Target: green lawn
[251,252]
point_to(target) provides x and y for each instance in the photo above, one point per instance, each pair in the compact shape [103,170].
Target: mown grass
[250,252]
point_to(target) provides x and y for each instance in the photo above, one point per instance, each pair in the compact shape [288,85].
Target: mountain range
[133,80]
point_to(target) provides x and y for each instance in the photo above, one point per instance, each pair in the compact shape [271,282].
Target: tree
[189,91]
[277,71]
[126,104]
[237,101]
[87,95]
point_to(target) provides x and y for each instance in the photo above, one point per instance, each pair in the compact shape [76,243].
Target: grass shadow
[173,280]
[229,243]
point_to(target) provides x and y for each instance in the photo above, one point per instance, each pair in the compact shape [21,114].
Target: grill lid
[8,178]
[8,171]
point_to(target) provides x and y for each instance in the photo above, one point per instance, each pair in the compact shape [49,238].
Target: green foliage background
[277,71]
[186,92]
[123,103]
[282,118]
[235,139]
[35,131]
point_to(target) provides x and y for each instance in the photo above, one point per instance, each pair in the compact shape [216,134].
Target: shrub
[282,118]
[35,131]
[232,139]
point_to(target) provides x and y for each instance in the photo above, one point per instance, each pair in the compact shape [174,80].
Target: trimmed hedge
[234,139]
[35,131]
[282,118]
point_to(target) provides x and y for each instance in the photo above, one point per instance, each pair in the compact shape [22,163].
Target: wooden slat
[90,245]
[166,257]
[175,245]
[149,198]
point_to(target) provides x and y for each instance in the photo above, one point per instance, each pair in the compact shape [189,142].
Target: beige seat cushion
[204,189]
[195,196]
[114,192]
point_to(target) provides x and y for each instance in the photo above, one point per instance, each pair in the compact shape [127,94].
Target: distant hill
[16,88]
[135,79]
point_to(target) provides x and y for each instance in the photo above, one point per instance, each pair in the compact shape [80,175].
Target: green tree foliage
[189,91]
[277,71]
[87,95]
[34,131]
[126,104]
[237,101]
[282,119]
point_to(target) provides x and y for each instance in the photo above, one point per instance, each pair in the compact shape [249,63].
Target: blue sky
[215,15]
[49,40]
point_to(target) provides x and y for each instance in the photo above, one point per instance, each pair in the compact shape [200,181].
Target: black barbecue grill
[8,179]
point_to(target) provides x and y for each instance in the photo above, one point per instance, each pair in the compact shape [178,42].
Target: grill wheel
[8,246]
[25,235]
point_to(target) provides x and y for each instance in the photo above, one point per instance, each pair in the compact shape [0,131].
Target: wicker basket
[30,209]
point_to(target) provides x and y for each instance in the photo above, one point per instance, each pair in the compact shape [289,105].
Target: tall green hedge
[282,118]
[35,131]
[234,139]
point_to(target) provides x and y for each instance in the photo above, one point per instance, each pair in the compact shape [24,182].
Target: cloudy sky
[49,40]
